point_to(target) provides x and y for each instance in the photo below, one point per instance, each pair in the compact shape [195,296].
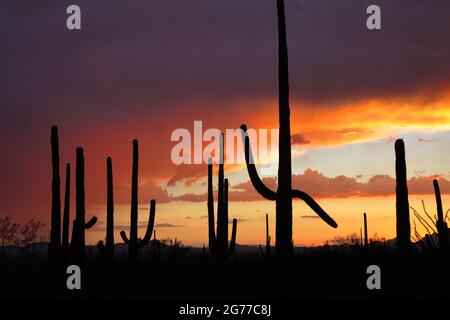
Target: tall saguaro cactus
[54,246]
[133,244]
[441,225]
[402,204]
[218,243]
[79,224]
[107,249]
[404,271]
[66,217]
[284,194]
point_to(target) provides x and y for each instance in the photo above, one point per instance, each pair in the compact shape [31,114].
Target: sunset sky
[141,69]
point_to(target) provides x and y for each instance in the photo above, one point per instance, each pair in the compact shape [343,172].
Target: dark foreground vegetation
[173,272]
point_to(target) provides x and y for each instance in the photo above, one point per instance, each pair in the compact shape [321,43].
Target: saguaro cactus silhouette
[218,243]
[284,194]
[66,217]
[402,204]
[268,238]
[133,244]
[366,239]
[107,250]
[54,246]
[441,225]
[78,244]
[403,223]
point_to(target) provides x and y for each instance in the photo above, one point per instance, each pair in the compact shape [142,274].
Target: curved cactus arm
[314,206]
[90,223]
[151,223]
[101,247]
[232,247]
[251,168]
[124,237]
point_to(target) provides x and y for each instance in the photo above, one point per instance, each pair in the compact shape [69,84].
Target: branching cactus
[134,245]
[441,225]
[54,246]
[78,244]
[284,194]
[402,204]
[107,249]
[218,242]
[66,217]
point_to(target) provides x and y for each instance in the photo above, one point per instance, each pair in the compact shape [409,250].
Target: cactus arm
[314,206]
[251,168]
[90,223]
[151,223]
[123,235]
[232,247]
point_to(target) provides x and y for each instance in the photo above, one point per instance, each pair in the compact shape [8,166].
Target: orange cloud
[357,121]
[188,174]
[298,139]
[375,119]
[319,186]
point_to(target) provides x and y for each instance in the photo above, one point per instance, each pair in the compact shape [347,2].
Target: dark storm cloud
[144,55]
